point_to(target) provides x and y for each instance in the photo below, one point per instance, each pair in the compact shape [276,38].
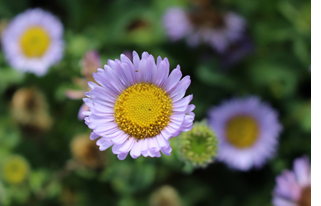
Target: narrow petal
[161,73]
[122,156]
[93,136]
[190,108]
[145,55]
[141,72]
[136,150]
[144,146]
[119,139]
[82,109]
[136,59]
[173,78]
[167,150]
[124,58]
[150,69]
[180,89]
[157,154]
[127,145]
[105,145]
[165,134]
[162,142]
[88,102]
[106,127]
[183,104]
[153,144]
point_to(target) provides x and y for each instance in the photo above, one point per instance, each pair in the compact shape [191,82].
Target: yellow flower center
[143,110]
[242,131]
[34,42]
[15,170]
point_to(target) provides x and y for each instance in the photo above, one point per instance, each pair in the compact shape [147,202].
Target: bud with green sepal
[198,147]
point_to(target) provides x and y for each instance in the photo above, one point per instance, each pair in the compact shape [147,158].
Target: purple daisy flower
[247,130]
[138,106]
[294,187]
[204,25]
[33,42]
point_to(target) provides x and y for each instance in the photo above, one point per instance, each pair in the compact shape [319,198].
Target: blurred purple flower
[247,130]
[293,188]
[32,42]
[204,25]
[90,63]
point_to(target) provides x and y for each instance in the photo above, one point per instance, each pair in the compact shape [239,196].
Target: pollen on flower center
[34,42]
[242,131]
[143,110]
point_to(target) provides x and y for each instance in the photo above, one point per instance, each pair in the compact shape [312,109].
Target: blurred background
[46,157]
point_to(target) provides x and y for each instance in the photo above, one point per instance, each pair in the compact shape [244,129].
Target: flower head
[165,196]
[14,170]
[30,109]
[204,25]
[138,106]
[247,130]
[199,145]
[294,187]
[32,42]
[86,152]
[90,63]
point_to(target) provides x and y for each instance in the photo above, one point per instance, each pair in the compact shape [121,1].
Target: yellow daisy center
[242,131]
[143,110]
[34,41]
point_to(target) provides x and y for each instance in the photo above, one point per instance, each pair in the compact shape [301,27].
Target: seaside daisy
[89,63]
[32,41]
[204,25]
[247,130]
[198,146]
[137,106]
[293,188]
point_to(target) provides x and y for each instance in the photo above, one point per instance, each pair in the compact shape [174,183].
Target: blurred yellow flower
[165,196]
[15,169]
